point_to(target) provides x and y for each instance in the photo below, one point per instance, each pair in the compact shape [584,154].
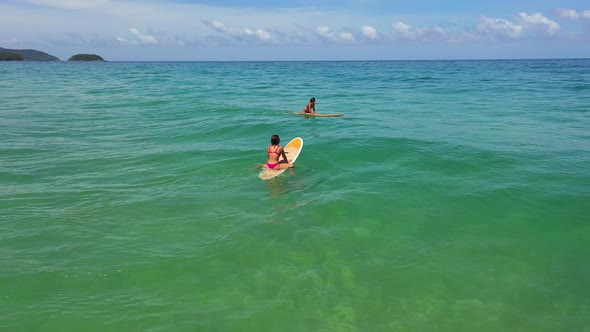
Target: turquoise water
[452,196]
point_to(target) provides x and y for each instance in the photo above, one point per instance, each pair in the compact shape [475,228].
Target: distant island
[25,55]
[86,57]
[7,54]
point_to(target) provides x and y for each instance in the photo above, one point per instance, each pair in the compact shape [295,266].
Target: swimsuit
[275,151]
[269,165]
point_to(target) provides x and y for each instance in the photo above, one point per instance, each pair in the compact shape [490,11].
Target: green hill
[85,57]
[31,55]
[7,56]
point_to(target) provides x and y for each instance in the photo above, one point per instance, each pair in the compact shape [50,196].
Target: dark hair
[275,140]
[312,99]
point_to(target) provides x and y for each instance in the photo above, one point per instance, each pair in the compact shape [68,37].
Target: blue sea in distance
[451,196]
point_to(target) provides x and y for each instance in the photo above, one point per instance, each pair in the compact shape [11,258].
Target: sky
[298,30]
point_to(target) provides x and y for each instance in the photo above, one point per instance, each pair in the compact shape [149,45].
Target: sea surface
[451,196]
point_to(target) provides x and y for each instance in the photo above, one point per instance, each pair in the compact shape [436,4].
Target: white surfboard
[292,149]
[321,115]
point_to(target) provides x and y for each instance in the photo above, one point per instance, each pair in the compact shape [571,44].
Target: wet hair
[275,140]
[312,99]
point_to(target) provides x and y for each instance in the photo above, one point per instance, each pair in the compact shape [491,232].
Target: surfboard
[321,115]
[292,149]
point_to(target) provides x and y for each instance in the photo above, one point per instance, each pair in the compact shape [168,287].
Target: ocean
[451,196]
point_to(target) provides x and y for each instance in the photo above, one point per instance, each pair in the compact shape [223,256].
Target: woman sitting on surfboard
[310,106]
[275,151]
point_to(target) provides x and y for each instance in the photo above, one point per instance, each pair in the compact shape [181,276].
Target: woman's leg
[284,165]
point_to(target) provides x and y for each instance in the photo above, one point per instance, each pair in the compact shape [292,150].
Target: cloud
[572,14]
[146,39]
[240,34]
[216,27]
[157,38]
[406,32]
[327,34]
[402,29]
[541,23]
[497,28]
[260,34]
[347,36]
[500,29]
[9,42]
[369,32]
[76,40]
[71,4]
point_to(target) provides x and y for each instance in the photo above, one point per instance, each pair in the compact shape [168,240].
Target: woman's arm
[284,155]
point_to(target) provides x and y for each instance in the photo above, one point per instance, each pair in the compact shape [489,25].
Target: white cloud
[242,34]
[326,33]
[573,14]
[406,32]
[146,39]
[189,25]
[401,27]
[138,38]
[9,42]
[347,36]
[258,33]
[498,28]
[537,20]
[72,4]
[218,26]
[369,32]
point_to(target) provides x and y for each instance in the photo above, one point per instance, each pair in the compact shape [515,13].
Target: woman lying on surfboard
[275,151]
[310,106]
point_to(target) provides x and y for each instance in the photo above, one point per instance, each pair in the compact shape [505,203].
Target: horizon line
[325,60]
